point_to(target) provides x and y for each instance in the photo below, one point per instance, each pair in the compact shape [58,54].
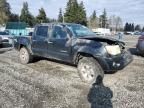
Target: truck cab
[51,41]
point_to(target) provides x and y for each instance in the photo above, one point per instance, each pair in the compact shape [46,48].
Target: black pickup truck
[75,44]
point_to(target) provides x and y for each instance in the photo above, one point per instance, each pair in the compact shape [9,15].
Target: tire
[90,70]
[24,56]
[1,45]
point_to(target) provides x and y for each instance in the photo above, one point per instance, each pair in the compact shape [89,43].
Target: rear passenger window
[42,31]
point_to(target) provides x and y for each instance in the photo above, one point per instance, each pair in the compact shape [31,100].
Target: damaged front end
[112,46]
[115,57]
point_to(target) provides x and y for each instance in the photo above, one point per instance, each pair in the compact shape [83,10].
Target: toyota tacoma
[76,44]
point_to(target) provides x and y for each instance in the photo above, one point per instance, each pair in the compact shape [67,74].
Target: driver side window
[58,33]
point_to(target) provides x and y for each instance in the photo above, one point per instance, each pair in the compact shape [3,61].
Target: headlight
[113,49]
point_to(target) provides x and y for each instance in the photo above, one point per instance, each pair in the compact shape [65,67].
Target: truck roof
[57,23]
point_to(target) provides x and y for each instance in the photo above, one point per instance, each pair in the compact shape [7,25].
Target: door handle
[50,42]
[34,40]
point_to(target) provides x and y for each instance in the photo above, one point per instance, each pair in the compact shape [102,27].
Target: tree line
[26,16]
[74,12]
[131,27]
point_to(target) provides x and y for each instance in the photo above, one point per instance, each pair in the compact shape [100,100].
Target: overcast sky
[129,10]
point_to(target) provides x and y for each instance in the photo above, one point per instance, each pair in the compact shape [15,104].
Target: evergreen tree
[42,17]
[132,28]
[126,27]
[24,13]
[26,16]
[94,15]
[71,11]
[14,18]
[93,22]
[82,14]
[4,11]
[143,29]
[60,16]
[137,28]
[75,13]
[103,19]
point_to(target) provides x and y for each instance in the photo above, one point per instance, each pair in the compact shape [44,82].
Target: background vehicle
[140,45]
[129,33]
[77,45]
[102,31]
[99,34]
[137,33]
[6,37]
[119,33]
[142,33]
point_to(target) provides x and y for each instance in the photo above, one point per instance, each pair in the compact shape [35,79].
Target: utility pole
[63,17]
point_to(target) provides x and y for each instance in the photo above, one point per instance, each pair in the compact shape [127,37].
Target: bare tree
[119,23]
[93,21]
[115,23]
[112,22]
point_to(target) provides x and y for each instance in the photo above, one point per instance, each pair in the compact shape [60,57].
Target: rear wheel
[90,70]
[25,56]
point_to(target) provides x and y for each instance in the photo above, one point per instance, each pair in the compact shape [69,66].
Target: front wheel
[90,70]
[25,56]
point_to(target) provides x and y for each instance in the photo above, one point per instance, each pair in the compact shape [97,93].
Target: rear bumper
[116,63]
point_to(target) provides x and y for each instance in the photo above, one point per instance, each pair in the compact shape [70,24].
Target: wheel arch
[89,53]
[85,51]
[25,46]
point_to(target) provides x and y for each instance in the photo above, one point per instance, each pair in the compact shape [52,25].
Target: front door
[59,45]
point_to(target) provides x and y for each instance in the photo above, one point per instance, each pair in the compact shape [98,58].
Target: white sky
[129,10]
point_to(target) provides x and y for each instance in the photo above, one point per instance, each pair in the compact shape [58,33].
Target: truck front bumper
[116,63]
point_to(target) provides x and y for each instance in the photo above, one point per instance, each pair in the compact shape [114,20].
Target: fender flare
[90,52]
[87,51]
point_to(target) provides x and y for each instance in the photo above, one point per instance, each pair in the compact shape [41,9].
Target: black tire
[90,70]
[24,56]
[1,45]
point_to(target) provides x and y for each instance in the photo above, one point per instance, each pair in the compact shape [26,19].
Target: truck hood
[102,39]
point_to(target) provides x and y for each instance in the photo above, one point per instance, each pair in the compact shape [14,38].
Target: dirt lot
[47,84]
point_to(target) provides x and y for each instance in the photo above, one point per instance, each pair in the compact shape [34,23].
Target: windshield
[4,33]
[81,31]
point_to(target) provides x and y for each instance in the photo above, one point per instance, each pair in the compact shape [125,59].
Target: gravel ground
[48,84]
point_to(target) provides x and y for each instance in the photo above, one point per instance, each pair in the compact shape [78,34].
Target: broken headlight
[113,49]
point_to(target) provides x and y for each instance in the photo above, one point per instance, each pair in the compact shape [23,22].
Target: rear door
[59,45]
[39,41]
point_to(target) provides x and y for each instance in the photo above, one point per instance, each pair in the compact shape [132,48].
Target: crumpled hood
[102,39]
